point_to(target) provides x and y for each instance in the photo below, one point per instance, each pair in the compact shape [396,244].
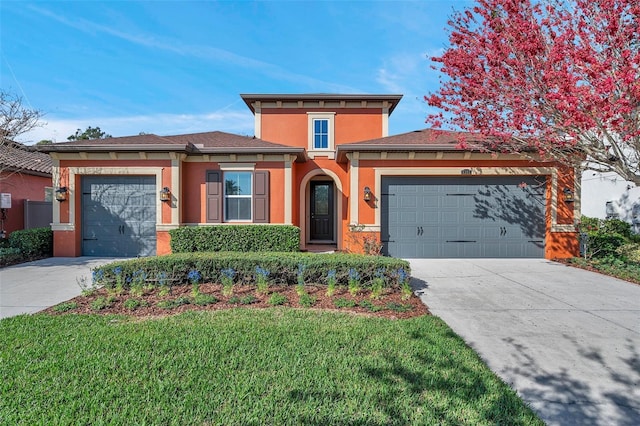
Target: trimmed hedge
[239,238]
[283,268]
[33,242]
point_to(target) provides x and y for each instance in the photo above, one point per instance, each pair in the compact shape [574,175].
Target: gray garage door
[458,217]
[119,215]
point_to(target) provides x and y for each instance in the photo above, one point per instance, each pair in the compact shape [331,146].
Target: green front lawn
[249,367]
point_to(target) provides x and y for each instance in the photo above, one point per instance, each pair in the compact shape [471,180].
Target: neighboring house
[26,175]
[321,162]
[608,196]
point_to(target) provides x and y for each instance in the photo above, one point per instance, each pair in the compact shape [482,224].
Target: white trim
[63,227]
[176,190]
[385,120]
[366,228]
[55,179]
[237,166]
[257,131]
[167,227]
[226,197]
[330,152]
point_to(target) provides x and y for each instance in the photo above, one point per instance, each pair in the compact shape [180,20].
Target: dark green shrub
[241,238]
[9,255]
[601,244]
[283,268]
[33,242]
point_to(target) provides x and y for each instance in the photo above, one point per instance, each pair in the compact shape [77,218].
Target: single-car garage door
[119,215]
[458,217]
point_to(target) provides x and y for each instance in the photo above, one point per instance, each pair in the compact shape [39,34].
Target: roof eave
[248,98]
[116,148]
[343,150]
[300,153]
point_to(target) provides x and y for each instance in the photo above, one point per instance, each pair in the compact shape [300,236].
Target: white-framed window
[321,134]
[238,196]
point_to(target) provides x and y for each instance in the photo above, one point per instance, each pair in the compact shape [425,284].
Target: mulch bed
[391,302]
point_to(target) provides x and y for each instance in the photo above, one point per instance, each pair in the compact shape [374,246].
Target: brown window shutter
[214,196]
[261,196]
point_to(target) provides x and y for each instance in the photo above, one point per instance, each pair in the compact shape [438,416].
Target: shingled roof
[418,140]
[195,143]
[16,157]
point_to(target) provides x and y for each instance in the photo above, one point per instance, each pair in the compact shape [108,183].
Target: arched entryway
[320,204]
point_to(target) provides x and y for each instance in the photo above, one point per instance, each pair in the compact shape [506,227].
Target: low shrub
[65,307]
[629,251]
[306,300]
[241,238]
[602,238]
[241,267]
[277,299]
[9,255]
[36,242]
[342,302]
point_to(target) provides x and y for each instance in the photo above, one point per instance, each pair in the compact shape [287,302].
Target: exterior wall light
[367,193]
[568,195]
[61,194]
[165,194]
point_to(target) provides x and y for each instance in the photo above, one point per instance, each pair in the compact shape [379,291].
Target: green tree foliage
[89,133]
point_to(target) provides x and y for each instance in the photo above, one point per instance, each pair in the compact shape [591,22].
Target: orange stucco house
[324,163]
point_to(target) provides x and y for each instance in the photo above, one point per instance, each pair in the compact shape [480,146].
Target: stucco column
[176,190]
[288,190]
[353,187]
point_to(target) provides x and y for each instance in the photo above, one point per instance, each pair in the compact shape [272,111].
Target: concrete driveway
[34,286]
[567,340]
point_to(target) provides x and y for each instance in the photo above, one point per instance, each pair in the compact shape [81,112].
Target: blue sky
[169,67]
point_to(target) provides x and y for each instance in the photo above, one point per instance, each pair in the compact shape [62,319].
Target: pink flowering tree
[559,78]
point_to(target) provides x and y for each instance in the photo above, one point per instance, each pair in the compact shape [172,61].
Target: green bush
[630,251]
[601,244]
[33,242]
[283,268]
[9,255]
[241,238]
[605,237]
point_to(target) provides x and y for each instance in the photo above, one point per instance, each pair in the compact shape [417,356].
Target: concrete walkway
[34,286]
[567,340]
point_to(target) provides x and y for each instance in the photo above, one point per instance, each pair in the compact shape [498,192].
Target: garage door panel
[468,216]
[118,215]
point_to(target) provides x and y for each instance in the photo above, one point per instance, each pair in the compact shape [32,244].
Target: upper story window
[321,134]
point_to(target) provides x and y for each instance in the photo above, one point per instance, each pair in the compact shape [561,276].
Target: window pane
[237,183]
[238,209]
[321,199]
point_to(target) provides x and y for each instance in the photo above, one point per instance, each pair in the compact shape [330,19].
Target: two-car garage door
[119,215]
[458,217]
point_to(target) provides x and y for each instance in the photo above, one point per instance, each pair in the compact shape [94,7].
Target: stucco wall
[21,187]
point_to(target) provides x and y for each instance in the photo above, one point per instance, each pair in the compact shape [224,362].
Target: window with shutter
[237,196]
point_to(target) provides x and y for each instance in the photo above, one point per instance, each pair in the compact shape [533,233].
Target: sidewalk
[33,286]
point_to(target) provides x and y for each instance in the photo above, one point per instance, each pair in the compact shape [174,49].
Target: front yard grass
[246,366]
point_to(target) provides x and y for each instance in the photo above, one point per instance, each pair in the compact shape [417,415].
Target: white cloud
[239,122]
